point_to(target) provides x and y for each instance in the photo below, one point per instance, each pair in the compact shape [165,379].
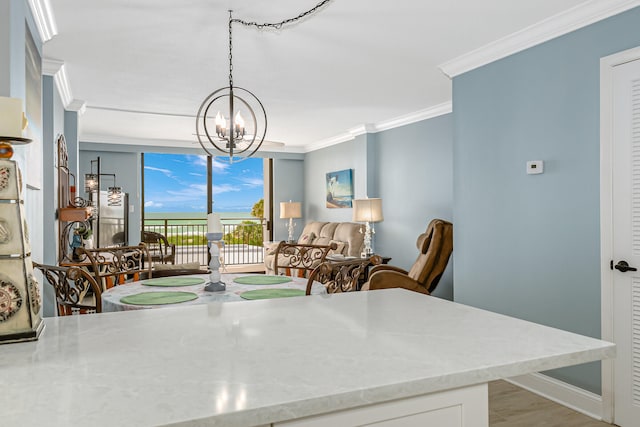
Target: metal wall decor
[228,132]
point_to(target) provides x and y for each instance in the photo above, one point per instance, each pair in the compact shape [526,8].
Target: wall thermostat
[535,167]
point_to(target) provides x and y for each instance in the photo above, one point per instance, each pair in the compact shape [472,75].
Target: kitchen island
[341,359]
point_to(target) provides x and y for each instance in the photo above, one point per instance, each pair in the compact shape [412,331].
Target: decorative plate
[10,300]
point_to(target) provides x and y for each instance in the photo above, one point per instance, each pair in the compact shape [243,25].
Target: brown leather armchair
[435,246]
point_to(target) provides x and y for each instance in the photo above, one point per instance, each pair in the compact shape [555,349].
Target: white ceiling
[144,66]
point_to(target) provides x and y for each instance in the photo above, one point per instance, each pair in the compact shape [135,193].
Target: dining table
[190,289]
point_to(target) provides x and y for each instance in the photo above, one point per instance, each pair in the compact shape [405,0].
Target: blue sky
[178,183]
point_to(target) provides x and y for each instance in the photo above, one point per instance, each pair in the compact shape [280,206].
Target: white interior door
[626,240]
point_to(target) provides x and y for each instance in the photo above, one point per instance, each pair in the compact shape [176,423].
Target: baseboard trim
[560,392]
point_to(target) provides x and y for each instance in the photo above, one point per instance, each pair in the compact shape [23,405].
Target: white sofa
[346,235]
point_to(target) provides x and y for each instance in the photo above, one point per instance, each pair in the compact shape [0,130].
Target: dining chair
[435,246]
[341,276]
[295,259]
[77,292]
[119,264]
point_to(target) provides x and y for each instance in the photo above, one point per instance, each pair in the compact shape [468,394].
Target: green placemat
[158,298]
[272,293]
[262,279]
[174,281]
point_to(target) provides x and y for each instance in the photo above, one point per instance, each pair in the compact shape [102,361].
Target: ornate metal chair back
[77,292]
[296,259]
[117,265]
[342,276]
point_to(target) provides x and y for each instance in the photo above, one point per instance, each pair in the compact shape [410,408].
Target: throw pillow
[307,239]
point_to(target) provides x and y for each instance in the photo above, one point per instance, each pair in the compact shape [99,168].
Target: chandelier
[239,128]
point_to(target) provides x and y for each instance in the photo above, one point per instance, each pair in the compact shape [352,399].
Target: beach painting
[340,189]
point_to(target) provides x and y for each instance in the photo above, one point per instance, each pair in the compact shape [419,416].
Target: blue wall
[412,170]
[348,155]
[528,245]
[409,167]
[126,167]
[288,184]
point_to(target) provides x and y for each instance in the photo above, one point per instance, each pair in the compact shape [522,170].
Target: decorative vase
[20,301]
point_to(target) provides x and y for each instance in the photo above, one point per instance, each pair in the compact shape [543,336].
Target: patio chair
[160,250]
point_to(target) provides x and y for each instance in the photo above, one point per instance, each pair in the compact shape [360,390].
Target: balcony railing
[242,239]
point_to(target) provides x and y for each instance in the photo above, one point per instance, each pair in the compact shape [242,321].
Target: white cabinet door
[464,407]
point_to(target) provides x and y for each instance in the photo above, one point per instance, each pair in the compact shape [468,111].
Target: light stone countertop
[256,362]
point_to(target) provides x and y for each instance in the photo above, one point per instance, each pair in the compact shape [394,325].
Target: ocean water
[193,218]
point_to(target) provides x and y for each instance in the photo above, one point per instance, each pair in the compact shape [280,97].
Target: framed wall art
[339,189]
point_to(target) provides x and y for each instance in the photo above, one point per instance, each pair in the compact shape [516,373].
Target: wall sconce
[290,210]
[367,211]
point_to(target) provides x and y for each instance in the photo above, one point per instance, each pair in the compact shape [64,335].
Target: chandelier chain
[230,53]
[278,25]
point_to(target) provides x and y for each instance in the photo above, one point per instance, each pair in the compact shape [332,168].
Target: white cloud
[219,167]
[225,188]
[189,193]
[252,182]
[152,204]
[196,174]
[167,172]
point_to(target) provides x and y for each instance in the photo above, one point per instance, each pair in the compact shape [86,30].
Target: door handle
[624,267]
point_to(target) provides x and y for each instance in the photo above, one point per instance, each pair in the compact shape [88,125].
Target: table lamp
[290,210]
[367,211]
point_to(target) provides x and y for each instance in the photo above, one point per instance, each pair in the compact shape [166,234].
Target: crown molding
[550,28]
[78,106]
[270,146]
[45,21]
[417,116]
[56,68]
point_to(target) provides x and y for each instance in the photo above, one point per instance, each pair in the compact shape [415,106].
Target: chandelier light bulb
[239,125]
[221,125]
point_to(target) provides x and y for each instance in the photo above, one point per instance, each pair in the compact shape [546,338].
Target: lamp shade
[290,210]
[367,210]
[11,117]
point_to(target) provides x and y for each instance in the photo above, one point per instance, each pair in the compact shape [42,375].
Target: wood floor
[511,406]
